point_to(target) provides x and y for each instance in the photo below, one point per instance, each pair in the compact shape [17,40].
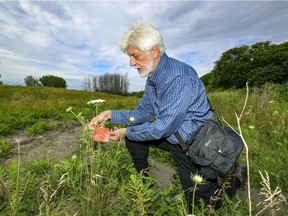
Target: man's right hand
[99,120]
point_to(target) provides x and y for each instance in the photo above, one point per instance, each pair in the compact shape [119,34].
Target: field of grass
[101,180]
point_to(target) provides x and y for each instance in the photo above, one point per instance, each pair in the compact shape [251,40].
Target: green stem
[193,198]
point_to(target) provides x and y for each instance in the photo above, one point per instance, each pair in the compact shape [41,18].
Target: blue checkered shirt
[175,96]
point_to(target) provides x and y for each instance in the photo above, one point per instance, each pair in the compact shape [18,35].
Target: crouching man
[176,97]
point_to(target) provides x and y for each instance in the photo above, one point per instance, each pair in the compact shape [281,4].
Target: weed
[40,127]
[6,150]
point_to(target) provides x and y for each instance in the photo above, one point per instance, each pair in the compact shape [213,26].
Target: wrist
[108,114]
[123,132]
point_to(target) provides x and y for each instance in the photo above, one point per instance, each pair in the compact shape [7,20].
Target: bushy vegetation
[6,150]
[40,127]
[100,179]
[31,81]
[48,81]
[53,81]
[257,64]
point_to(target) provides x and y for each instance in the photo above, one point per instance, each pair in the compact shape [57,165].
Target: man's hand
[99,120]
[117,134]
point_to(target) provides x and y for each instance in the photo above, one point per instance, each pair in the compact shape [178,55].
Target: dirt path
[55,145]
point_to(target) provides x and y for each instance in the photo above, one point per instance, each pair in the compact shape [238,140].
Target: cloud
[74,39]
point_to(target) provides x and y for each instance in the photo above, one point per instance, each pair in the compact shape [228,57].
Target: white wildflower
[96,101]
[131,119]
[251,126]
[74,157]
[69,109]
[198,179]
[270,101]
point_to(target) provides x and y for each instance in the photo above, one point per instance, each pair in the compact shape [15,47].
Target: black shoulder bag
[214,147]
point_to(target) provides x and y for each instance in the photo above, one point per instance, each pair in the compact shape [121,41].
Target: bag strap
[214,111]
[184,145]
[181,141]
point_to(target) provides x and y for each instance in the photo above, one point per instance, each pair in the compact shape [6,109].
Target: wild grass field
[99,179]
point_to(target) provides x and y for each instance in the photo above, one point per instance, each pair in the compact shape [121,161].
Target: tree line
[48,80]
[257,64]
[108,83]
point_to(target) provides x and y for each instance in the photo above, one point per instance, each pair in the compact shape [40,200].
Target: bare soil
[53,145]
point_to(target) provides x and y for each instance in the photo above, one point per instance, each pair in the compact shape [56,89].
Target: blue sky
[74,39]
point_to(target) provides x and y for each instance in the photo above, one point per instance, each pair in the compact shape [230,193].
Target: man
[176,97]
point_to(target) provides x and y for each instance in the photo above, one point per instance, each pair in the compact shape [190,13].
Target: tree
[90,83]
[108,83]
[53,81]
[31,81]
[257,64]
[232,70]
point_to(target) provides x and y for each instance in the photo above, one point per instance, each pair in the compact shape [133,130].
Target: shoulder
[174,68]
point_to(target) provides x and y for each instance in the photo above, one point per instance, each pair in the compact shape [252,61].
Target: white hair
[144,36]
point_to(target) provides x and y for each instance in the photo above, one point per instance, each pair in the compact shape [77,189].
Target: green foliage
[6,150]
[137,94]
[53,81]
[40,127]
[257,64]
[100,179]
[22,107]
[264,126]
[31,81]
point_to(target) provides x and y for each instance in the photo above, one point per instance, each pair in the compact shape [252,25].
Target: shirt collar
[156,75]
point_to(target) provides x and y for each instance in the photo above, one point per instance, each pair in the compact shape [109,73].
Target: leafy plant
[40,127]
[6,150]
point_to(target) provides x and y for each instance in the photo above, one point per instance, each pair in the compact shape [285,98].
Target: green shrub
[6,150]
[40,127]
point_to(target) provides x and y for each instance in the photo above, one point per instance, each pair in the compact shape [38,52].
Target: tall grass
[264,127]
[99,179]
[23,106]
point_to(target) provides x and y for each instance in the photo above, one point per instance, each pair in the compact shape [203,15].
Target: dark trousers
[139,152]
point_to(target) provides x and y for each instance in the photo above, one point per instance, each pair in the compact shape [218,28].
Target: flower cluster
[95,101]
[198,179]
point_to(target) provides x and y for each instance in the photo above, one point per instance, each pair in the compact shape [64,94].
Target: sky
[77,39]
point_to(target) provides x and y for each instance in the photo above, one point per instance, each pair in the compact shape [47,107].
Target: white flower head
[251,126]
[74,157]
[131,119]
[69,109]
[198,179]
[96,101]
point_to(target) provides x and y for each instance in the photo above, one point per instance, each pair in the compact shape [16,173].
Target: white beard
[147,69]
